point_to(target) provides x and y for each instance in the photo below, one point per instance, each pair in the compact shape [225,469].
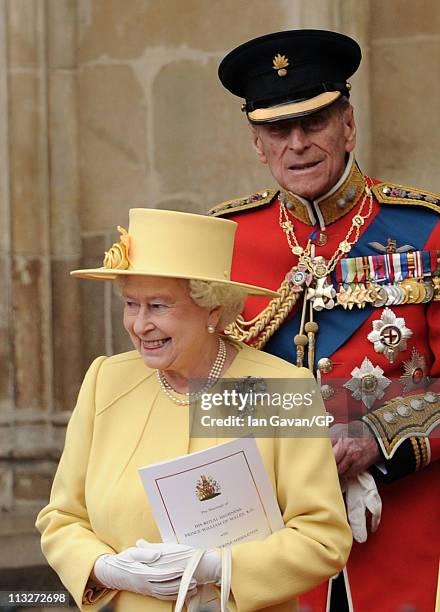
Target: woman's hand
[138,569]
[176,556]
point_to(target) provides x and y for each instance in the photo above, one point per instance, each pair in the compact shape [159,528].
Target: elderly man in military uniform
[357,264]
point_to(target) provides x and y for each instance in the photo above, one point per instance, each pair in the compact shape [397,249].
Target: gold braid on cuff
[399,419]
[416,452]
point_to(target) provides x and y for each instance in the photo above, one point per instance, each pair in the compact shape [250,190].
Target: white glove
[176,556]
[361,494]
[134,570]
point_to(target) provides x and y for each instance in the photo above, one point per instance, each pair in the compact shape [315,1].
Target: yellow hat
[175,245]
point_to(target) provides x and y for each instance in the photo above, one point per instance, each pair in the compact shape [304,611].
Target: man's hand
[362,498]
[354,448]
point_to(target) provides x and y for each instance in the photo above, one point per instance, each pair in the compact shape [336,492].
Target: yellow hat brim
[293,109]
[105,274]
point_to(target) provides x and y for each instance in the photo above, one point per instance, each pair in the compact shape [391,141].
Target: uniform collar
[334,204]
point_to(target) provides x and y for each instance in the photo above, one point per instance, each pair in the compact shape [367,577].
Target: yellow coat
[123,421]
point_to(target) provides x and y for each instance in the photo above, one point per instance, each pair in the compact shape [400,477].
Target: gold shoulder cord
[261,328]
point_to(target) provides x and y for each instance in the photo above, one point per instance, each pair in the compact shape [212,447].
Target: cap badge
[280,63]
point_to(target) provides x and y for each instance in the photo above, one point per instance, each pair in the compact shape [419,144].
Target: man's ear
[349,129]
[257,144]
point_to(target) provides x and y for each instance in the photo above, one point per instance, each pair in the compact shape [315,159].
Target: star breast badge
[389,335]
[415,374]
[368,383]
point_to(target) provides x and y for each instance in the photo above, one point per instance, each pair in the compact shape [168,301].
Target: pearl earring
[211,328]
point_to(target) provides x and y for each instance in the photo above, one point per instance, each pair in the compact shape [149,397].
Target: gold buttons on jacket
[325,365]
[327,392]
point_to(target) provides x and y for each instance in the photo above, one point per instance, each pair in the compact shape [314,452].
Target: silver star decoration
[367,383]
[389,334]
[415,372]
[322,295]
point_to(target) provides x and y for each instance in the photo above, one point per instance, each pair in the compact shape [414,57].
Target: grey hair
[341,104]
[210,294]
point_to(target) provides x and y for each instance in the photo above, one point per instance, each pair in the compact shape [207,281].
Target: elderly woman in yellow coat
[173,270]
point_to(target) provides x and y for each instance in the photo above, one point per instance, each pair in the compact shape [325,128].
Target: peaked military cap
[290,74]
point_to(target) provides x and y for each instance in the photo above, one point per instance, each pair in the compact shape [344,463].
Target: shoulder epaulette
[391,193]
[260,198]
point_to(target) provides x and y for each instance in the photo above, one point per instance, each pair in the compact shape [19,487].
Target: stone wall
[405,57]
[110,104]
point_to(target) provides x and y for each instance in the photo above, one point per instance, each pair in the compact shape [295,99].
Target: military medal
[414,291]
[368,383]
[319,267]
[396,295]
[381,297]
[389,335]
[360,295]
[429,288]
[345,298]
[322,296]
[356,294]
[299,277]
[415,372]
[321,239]
[371,296]
[436,281]
[393,278]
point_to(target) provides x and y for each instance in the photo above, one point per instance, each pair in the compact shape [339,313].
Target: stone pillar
[6,352]
[30,213]
[64,194]
[39,305]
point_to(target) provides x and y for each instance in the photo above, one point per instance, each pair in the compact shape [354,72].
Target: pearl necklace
[213,376]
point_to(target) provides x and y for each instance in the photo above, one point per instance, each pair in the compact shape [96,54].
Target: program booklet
[215,497]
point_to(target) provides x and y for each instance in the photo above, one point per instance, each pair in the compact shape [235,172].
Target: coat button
[327,392]
[325,365]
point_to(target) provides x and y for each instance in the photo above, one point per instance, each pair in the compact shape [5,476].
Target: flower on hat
[117,257]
